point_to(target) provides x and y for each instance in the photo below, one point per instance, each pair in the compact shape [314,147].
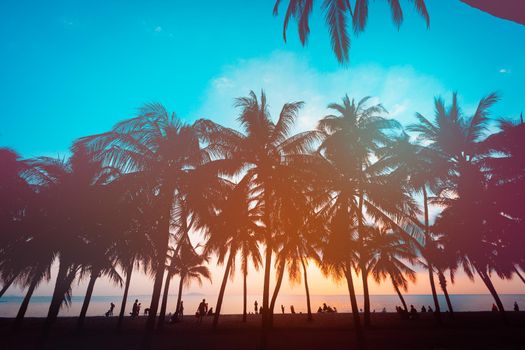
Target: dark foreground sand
[472,330]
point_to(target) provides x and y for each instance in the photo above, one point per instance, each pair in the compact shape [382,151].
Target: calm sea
[233,304]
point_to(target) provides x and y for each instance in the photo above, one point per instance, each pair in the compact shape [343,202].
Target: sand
[469,330]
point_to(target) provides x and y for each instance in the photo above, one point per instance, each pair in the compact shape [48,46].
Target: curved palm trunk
[488,283]
[355,310]
[66,275]
[164,304]
[278,284]
[400,296]
[23,307]
[308,306]
[443,285]
[515,270]
[129,271]
[164,234]
[7,285]
[437,309]
[223,288]
[244,294]
[87,299]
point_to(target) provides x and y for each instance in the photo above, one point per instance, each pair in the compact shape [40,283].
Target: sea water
[233,304]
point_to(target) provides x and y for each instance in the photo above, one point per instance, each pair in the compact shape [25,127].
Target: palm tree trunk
[223,288]
[87,298]
[164,232]
[400,296]
[23,307]
[164,304]
[66,275]
[488,283]
[443,284]
[7,285]
[308,305]
[129,271]
[179,297]
[355,310]
[366,295]
[278,284]
[437,309]
[244,294]
[268,258]
[515,270]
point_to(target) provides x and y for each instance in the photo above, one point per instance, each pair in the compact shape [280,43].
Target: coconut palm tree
[337,15]
[352,139]
[264,152]
[164,151]
[391,253]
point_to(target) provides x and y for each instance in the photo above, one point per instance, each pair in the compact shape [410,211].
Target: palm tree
[352,138]
[457,138]
[337,13]
[164,151]
[390,254]
[264,152]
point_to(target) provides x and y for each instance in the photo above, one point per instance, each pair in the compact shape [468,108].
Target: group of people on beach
[412,314]
[326,308]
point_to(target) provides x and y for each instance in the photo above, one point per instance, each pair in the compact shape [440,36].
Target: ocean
[232,304]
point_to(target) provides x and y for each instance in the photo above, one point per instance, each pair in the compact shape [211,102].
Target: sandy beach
[469,330]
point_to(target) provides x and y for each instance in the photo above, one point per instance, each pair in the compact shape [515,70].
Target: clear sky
[76,67]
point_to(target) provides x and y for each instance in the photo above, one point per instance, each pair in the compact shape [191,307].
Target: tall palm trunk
[87,298]
[443,285]
[244,292]
[400,296]
[515,270]
[488,283]
[267,261]
[164,304]
[437,309]
[364,272]
[66,275]
[23,307]
[129,271]
[308,305]
[179,296]
[355,310]
[223,288]
[164,236]
[7,285]
[278,284]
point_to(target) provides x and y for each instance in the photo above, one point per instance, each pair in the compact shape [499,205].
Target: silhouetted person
[325,308]
[494,308]
[429,309]
[335,310]
[202,310]
[516,307]
[423,309]
[384,310]
[135,309]
[210,311]
[180,311]
[146,311]
[413,312]
[256,307]
[292,309]
[320,310]
[282,309]
[110,311]
[138,309]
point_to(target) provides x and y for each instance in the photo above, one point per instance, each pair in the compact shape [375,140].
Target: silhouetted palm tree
[338,13]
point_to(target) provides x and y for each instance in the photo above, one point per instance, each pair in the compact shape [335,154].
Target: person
[110,311]
[256,307]
[292,309]
[494,308]
[138,308]
[325,307]
[202,310]
[282,309]
[423,309]
[180,310]
[134,309]
[516,307]
[429,309]
[210,311]
[384,310]
[413,312]
[146,311]
[320,310]
[335,310]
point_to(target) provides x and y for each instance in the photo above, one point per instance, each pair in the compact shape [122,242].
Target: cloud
[286,77]
[158,29]
[504,71]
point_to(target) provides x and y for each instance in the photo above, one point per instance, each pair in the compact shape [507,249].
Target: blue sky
[71,68]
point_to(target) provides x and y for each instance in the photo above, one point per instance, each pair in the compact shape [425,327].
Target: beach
[468,330]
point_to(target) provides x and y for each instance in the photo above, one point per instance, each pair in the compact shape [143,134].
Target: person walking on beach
[516,307]
[256,307]
[282,309]
[202,310]
[110,311]
[292,309]
[135,309]
[180,310]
